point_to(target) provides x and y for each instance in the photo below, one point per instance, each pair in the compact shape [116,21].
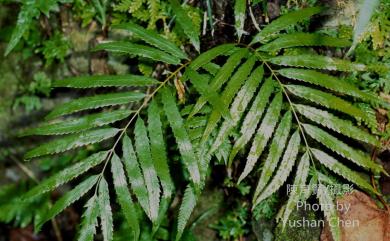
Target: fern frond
[123,195]
[330,211]
[79,124]
[284,169]
[70,197]
[342,170]
[239,17]
[227,95]
[105,81]
[158,150]
[304,39]
[142,148]
[94,102]
[138,50]
[154,10]
[285,21]
[66,175]
[105,212]
[299,184]
[221,77]
[275,152]
[332,122]
[212,68]
[134,175]
[201,85]
[240,103]
[329,82]
[341,148]
[89,220]
[263,134]
[317,62]
[25,17]
[72,141]
[183,141]
[152,38]
[186,208]
[231,107]
[328,100]
[185,22]
[253,117]
[196,121]
[206,57]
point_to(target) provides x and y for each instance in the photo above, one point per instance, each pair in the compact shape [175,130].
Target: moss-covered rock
[295,231]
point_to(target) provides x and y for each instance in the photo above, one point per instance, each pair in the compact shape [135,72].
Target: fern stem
[289,101]
[124,129]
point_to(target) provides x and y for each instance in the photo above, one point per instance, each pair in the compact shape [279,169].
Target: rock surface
[373,223]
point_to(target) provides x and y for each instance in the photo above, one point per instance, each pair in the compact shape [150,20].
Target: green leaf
[221,77]
[330,211]
[285,21]
[263,134]
[100,7]
[105,81]
[239,105]
[183,141]
[228,68]
[186,208]
[366,11]
[304,39]
[135,175]
[80,124]
[342,170]
[72,141]
[228,93]
[357,156]
[330,121]
[275,152]
[299,187]
[185,22]
[69,198]
[142,148]
[138,50]
[158,150]
[94,102]
[66,175]
[152,38]
[212,68]
[328,100]
[196,121]
[239,17]
[317,62]
[252,118]
[124,197]
[200,83]
[284,169]
[89,220]
[25,17]
[205,57]
[105,212]
[329,82]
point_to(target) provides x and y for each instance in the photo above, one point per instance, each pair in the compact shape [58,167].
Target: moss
[294,233]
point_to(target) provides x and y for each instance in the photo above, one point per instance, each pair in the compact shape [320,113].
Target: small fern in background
[250,101]
[143,10]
